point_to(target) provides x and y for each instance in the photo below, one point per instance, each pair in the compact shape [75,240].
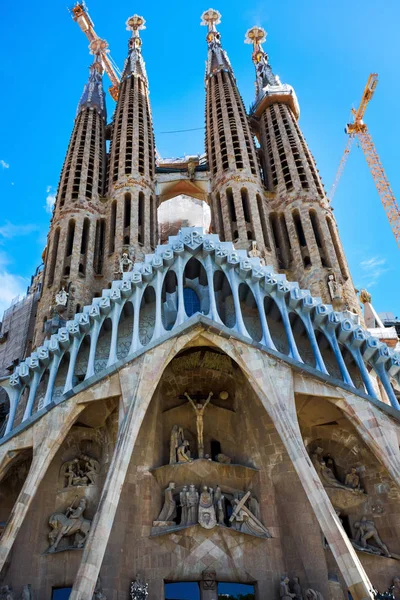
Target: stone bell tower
[304,230]
[238,202]
[132,211]
[70,260]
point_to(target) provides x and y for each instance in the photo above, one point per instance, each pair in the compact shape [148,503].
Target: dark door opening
[236,591]
[61,593]
[215,449]
[182,591]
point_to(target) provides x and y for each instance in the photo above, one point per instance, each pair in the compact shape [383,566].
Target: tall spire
[268,85]
[217,57]
[93,95]
[264,74]
[134,63]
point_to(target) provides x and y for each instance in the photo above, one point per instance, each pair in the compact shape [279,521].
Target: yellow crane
[358,128]
[80,15]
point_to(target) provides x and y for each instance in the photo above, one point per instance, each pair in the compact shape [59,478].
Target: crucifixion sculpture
[199,410]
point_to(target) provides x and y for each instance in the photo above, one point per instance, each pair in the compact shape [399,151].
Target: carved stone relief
[209,508]
[70,524]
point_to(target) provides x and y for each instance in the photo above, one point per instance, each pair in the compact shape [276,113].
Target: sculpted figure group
[326,471]
[210,507]
[291,589]
[81,471]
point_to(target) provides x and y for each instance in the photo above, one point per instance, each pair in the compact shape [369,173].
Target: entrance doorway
[236,591]
[182,591]
[61,593]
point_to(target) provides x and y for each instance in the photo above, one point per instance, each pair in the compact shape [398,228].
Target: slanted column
[274,387]
[137,391]
[49,436]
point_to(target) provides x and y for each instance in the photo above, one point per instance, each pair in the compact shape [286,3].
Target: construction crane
[80,15]
[359,129]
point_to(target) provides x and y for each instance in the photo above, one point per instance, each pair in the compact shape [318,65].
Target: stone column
[49,433]
[208,586]
[273,383]
[138,383]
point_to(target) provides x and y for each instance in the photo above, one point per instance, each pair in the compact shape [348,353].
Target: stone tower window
[152,228]
[319,238]
[245,203]
[99,242]
[113,223]
[53,260]
[263,219]
[141,227]
[129,128]
[141,98]
[69,247]
[301,238]
[220,217]
[294,148]
[84,246]
[338,250]
[127,218]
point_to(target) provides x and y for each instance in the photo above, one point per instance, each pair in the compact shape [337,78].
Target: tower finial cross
[210,18]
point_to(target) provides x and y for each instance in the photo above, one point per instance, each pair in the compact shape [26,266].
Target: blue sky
[324,49]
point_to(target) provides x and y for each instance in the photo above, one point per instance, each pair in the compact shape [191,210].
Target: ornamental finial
[211,18]
[256,36]
[135,24]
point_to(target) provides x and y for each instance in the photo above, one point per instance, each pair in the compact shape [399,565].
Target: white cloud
[50,199]
[3,164]
[372,269]
[9,230]
[10,286]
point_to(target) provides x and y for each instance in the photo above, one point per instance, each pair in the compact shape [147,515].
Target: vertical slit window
[113,223]
[84,246]
[245,203]
[98,261]
[319,239]
[273,218]
[263,219]
[231,205]
[127,218]
[70,238]
[302,238]
[338,250]
[152,232]
[53,259]
[221,231]
[141,223]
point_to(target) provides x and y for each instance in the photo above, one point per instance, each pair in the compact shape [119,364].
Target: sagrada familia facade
[199,405]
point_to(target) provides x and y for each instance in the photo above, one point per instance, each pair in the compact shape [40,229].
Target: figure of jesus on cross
[199,410]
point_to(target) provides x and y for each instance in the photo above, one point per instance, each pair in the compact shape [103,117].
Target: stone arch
[41,390]
[147,316]
[328,355]
[275,325]
[5,407]
[195,282]
[125,330]
[169,300]
[82,360]
[61,377]
[224,299]
[103,346]
[330,433]
[12,479]
[250,312]
[302,340]
[182,210]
